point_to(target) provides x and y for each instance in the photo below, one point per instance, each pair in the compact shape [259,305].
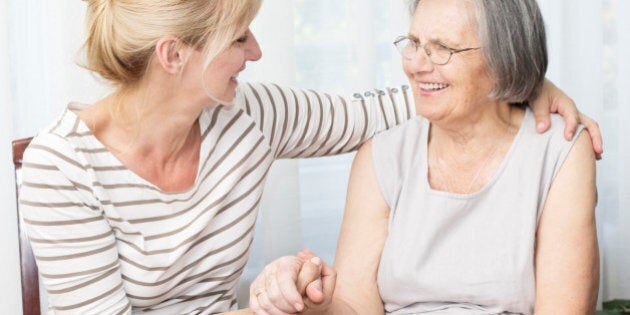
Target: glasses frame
[417,44]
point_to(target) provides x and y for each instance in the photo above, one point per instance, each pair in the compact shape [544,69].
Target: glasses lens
[439,54]
[406,47]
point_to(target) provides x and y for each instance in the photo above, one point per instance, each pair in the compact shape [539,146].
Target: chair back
[28,268]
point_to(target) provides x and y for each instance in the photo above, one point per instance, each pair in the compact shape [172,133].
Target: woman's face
[220,77]
[452,91]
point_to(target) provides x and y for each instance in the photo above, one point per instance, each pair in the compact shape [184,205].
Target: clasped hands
[293,284]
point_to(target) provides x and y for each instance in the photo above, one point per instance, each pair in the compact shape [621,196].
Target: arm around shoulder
[567,258]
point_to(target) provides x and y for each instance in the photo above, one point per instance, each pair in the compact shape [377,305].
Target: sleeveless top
[449,253]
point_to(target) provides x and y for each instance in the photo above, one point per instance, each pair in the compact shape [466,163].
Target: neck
[478,131]
[463,156]
[144,122]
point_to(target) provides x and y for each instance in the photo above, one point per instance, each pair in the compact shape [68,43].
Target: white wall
[9,262]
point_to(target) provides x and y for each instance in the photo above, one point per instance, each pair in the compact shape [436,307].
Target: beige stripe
[39,166]
[284,118]
[124,310]
[96,150]
[70,240]
[80,134]
[213,122]
[207,294]
[109,168]
[319,126]
[365,124]
[295,123]
[344,148]
[77,121]
[77,255]
[56,204]
[77,274]
[380,103]
[308,122]
[59,155]
[260,106]
[275,117]
[72,187]
[391,97]
[63,116]
[332,126]
[84,284]
[407,106]
[248,109]
[92,300]
[223,132]
[65,222]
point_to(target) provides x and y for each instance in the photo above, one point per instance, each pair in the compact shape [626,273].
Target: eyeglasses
[439,54]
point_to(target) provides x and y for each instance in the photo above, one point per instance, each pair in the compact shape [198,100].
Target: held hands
[292,284]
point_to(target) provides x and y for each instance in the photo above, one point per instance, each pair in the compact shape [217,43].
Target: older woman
[466,210]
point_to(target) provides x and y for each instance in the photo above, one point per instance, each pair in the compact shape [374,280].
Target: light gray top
[449,253]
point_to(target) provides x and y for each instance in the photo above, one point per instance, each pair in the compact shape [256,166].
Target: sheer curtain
[337,47]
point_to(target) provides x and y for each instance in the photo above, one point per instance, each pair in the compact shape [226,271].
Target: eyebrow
[435,40]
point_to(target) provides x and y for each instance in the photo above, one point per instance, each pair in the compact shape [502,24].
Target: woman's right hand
[292,284]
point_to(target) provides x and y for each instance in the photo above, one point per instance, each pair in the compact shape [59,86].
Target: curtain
[336,47]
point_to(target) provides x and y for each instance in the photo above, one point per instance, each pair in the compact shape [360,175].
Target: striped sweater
[108,242]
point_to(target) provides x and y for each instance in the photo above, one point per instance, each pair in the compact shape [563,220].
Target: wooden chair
[28,268]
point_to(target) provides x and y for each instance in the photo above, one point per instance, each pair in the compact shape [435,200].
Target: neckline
[425,160]
[84,130]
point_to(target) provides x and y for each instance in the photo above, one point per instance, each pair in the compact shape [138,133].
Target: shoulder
[402,137]
[61,146]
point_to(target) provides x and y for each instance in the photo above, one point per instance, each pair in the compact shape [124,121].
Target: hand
[553,100]
[283,284]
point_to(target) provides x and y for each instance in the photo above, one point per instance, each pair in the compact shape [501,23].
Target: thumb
[315,289]
[309,273]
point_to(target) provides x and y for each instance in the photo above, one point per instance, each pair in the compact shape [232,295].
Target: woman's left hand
[553,100]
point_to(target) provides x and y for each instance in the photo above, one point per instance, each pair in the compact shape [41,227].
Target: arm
[552,99]
[280,286]
[567,262]
[361,241]
[306,123]
[72,242]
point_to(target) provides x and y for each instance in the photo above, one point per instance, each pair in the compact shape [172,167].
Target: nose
[420,62]
[253,49]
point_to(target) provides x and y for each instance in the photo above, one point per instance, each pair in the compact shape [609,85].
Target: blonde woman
[146,200]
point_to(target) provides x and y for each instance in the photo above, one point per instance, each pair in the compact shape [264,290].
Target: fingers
[312,281]
[542,115]
[305,254]
[596,137]
[320,293]
[274,291]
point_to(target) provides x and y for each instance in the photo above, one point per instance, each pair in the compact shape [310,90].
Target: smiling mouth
[433,86]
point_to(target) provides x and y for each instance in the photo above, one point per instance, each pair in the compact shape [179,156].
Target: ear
[170,53]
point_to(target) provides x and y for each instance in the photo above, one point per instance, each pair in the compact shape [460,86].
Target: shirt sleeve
[72,242]
[305,123]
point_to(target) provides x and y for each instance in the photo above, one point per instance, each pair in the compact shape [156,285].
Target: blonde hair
[121,35]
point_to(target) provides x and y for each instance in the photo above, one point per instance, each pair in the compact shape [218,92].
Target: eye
[442,46]
[243,38]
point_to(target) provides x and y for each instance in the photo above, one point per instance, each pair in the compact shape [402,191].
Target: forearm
[307,123]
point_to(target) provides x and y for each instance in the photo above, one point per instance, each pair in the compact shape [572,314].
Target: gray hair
[512,35]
